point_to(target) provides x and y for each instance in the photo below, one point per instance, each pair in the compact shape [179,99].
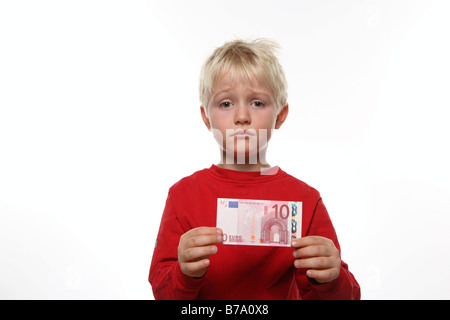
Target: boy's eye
[225,104]
[258,104]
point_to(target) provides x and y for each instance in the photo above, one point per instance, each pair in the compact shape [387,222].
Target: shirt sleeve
[166,278]
[345,287]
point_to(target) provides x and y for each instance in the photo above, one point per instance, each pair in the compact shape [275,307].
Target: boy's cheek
[218,136]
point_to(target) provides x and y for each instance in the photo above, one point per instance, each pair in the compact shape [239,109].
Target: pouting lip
[242,132]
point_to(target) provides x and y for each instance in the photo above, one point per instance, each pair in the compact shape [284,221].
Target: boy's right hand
[194,249]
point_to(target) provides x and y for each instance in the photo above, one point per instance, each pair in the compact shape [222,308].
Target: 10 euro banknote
[259,222]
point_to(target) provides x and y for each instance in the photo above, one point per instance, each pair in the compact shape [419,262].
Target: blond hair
[245,59]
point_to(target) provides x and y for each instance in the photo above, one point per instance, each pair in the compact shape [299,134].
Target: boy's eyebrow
[215,94]
[261,93]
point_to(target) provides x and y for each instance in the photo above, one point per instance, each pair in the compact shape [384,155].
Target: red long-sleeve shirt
[241,272]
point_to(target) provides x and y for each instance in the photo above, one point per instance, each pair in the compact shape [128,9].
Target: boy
[243,92]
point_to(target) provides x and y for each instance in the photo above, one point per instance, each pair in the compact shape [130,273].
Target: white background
[99,116]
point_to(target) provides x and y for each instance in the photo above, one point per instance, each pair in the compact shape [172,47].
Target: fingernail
[207,262]
[294,242]
[294,254]
[214,249]
[220,238]
[219,231]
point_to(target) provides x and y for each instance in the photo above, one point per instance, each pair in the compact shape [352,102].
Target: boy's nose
[242,115]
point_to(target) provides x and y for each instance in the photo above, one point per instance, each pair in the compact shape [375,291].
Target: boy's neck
[233,164]
[244,167]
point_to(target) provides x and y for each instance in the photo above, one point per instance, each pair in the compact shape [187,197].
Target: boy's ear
[281,117]
[205,118]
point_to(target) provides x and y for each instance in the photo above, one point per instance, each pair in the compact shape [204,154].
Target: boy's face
[242,115]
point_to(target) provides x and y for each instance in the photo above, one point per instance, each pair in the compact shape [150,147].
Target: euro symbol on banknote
[259,222]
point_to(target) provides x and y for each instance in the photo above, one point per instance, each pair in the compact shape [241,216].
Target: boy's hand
[319,255]
[194,249]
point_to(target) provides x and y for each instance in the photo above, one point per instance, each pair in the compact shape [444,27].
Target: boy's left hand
[319,255]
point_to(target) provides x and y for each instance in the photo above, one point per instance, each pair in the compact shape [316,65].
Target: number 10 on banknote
[259,222]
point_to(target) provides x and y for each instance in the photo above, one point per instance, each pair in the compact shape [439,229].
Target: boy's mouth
[241,133]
